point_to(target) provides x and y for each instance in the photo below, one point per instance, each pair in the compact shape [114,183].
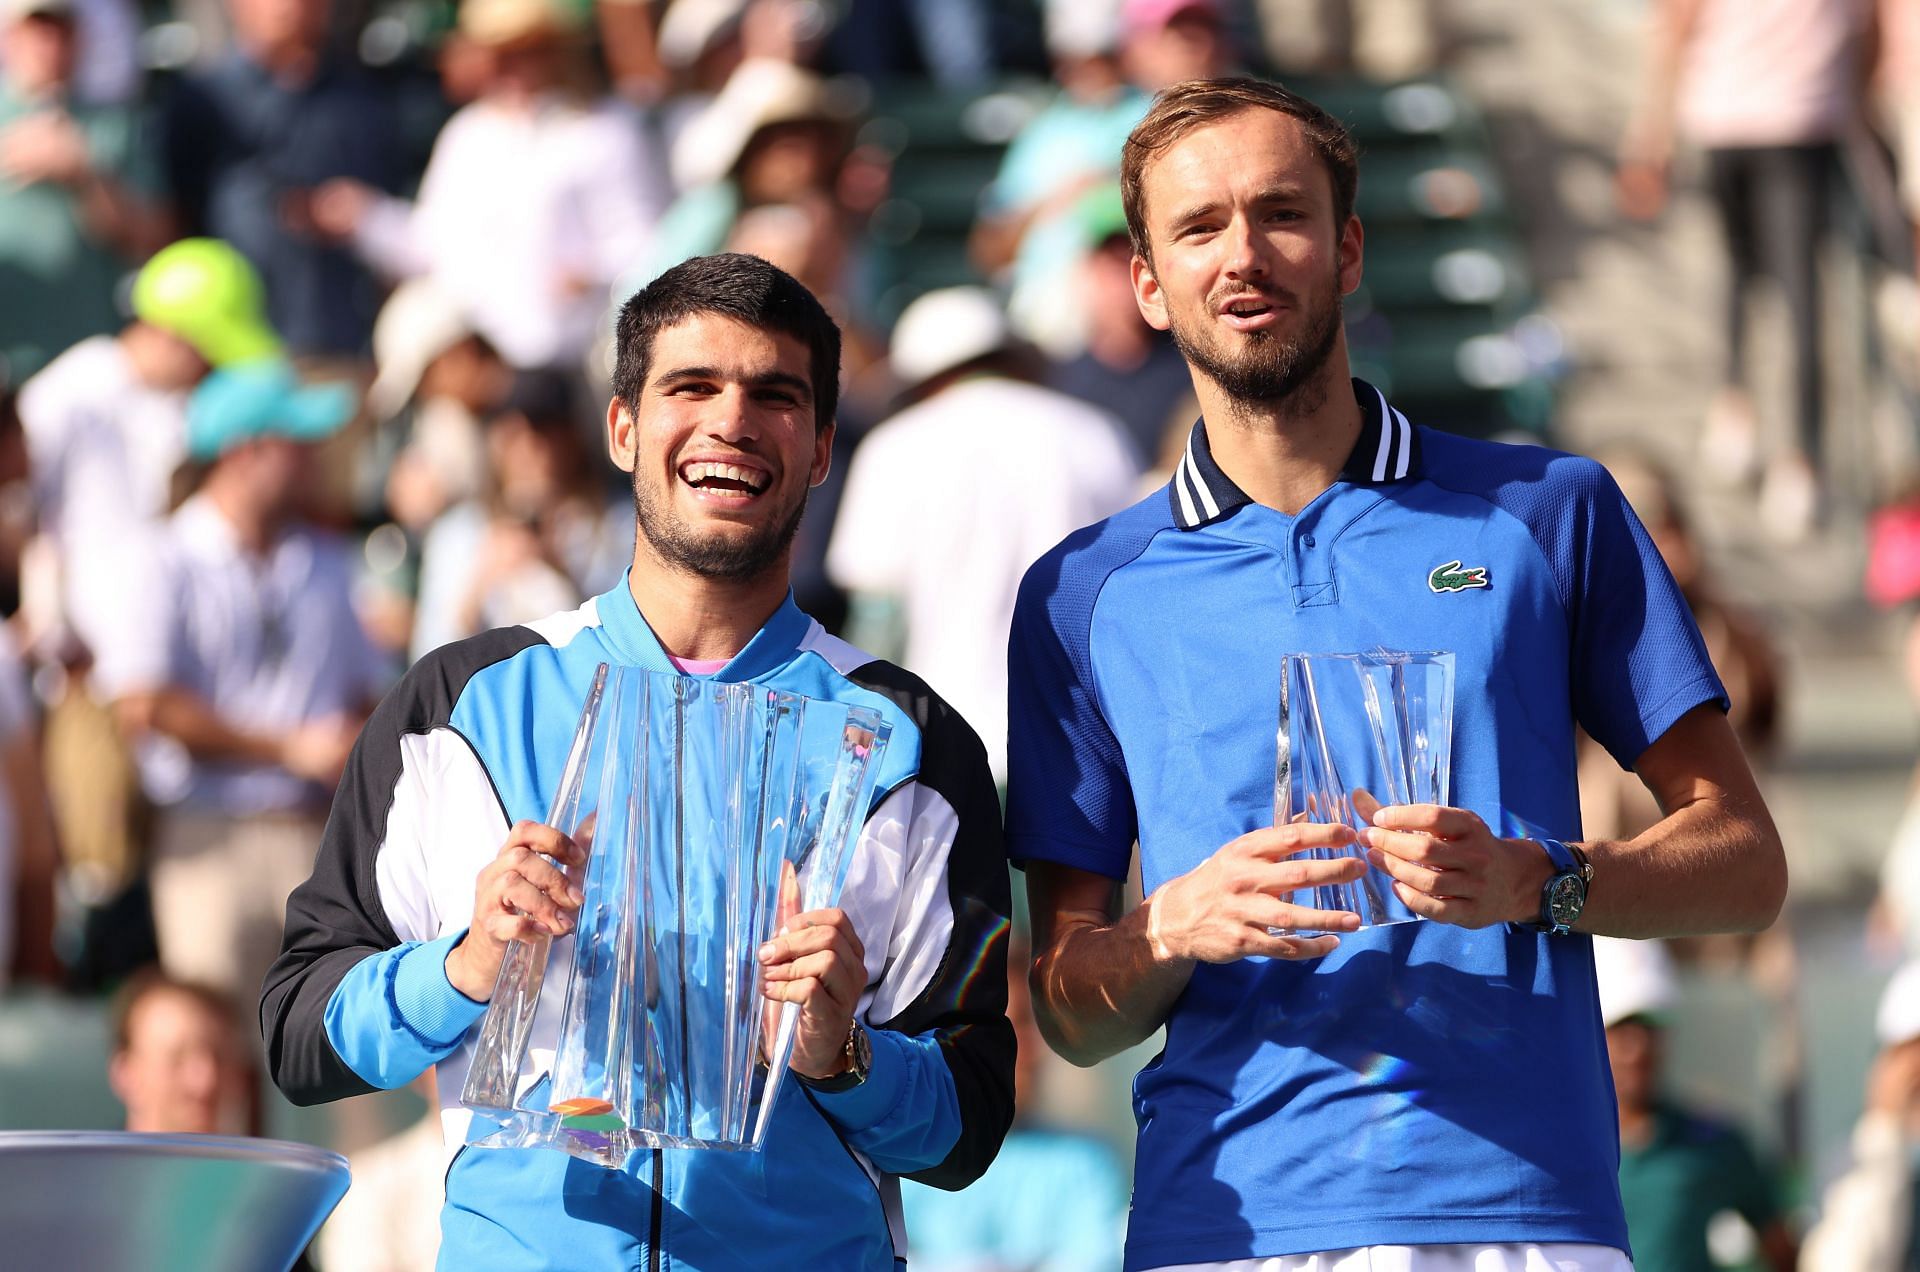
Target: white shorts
[1561,1257]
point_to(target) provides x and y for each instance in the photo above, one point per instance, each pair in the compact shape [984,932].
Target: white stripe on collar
[1182,476]
[1200,492]
[1384,451]
[1207,500]
[1402,430]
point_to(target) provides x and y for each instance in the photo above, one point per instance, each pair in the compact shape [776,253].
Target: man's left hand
[1448,866]
[818,962]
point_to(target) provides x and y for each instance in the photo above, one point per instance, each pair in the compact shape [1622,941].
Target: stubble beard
[719,557]
[1272,375]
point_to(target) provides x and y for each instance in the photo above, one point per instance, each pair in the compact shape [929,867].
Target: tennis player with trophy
[700,912]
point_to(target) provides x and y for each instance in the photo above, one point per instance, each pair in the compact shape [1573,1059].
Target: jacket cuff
[867,1105]
[426,1001]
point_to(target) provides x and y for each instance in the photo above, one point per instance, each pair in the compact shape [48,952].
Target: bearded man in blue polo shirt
[1426,1096]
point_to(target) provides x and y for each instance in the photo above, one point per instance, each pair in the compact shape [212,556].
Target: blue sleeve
[906,1116]
[1068,797]
[1638,661]
[396,1014]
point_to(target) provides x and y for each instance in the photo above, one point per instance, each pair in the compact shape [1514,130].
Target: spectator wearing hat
[1109,63]
[1680,1170]
[105,422]
[247,142]
[246,677]
[949,501]
[698,43]
[1164,42]
[75,192]
[1026,223]
[104,425]
[533,201]
[776,133]
[436,381]
[1127,369]
[1867,1214]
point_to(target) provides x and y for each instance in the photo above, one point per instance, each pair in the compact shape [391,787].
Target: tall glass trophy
[1376,724]
[711,813]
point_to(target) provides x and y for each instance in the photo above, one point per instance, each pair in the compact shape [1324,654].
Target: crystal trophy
[711,813]
[1376,724]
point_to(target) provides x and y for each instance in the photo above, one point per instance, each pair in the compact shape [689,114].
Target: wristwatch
[859,1055]
[1565,893]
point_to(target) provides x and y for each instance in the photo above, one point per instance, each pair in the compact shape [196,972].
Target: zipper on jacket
[653,1218]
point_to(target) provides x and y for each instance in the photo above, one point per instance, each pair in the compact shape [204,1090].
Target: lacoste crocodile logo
[1453,577]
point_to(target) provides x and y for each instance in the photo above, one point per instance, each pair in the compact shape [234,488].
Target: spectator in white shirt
[948,502]
[241,671]
[533,201]
[105,425]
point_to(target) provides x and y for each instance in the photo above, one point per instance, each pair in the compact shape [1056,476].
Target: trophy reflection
[1376,725]
[710,812]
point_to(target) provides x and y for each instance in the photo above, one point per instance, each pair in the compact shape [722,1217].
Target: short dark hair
[733,285]
[1193,104]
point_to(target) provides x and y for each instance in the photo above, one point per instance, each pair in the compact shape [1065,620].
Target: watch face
[1568,898]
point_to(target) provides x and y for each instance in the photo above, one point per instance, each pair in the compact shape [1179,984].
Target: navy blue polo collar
[1388,450]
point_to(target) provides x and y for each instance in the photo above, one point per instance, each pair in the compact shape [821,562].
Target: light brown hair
[1193,104]
[151,982]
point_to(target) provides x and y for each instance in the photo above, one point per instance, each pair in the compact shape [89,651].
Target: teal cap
[262,399]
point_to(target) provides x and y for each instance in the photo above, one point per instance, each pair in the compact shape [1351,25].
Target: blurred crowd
[304,331]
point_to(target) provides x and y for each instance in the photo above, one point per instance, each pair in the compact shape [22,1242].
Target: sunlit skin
[183,1071]
[1239,215]
[38,52]
[722,446]
[1633,1054]
[710,561]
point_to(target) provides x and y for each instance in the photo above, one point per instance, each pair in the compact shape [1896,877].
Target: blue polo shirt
[1423,1084]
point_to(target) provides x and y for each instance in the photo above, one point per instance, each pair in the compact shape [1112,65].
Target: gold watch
[859,1056]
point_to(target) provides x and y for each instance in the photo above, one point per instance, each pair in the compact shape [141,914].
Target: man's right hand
[520,896]
[1229,906]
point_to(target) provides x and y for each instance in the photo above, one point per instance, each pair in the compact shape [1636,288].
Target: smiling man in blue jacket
[433,858]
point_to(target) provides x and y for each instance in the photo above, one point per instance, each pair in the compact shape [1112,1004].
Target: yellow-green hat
[205,292]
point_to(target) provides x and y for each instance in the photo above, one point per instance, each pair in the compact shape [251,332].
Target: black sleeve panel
[966,999]
[335,919]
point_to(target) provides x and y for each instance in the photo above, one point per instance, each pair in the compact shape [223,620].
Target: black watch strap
[1565,893]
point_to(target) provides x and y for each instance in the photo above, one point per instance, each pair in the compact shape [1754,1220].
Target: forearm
[1649,137]
[114,215]
[1099,988]
[1713,865]
[386,238]
[39,859]
[192,721]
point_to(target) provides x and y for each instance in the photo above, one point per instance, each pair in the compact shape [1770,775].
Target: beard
[1269,372]
[712,556]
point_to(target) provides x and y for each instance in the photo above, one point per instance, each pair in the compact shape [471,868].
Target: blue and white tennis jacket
[473,740]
